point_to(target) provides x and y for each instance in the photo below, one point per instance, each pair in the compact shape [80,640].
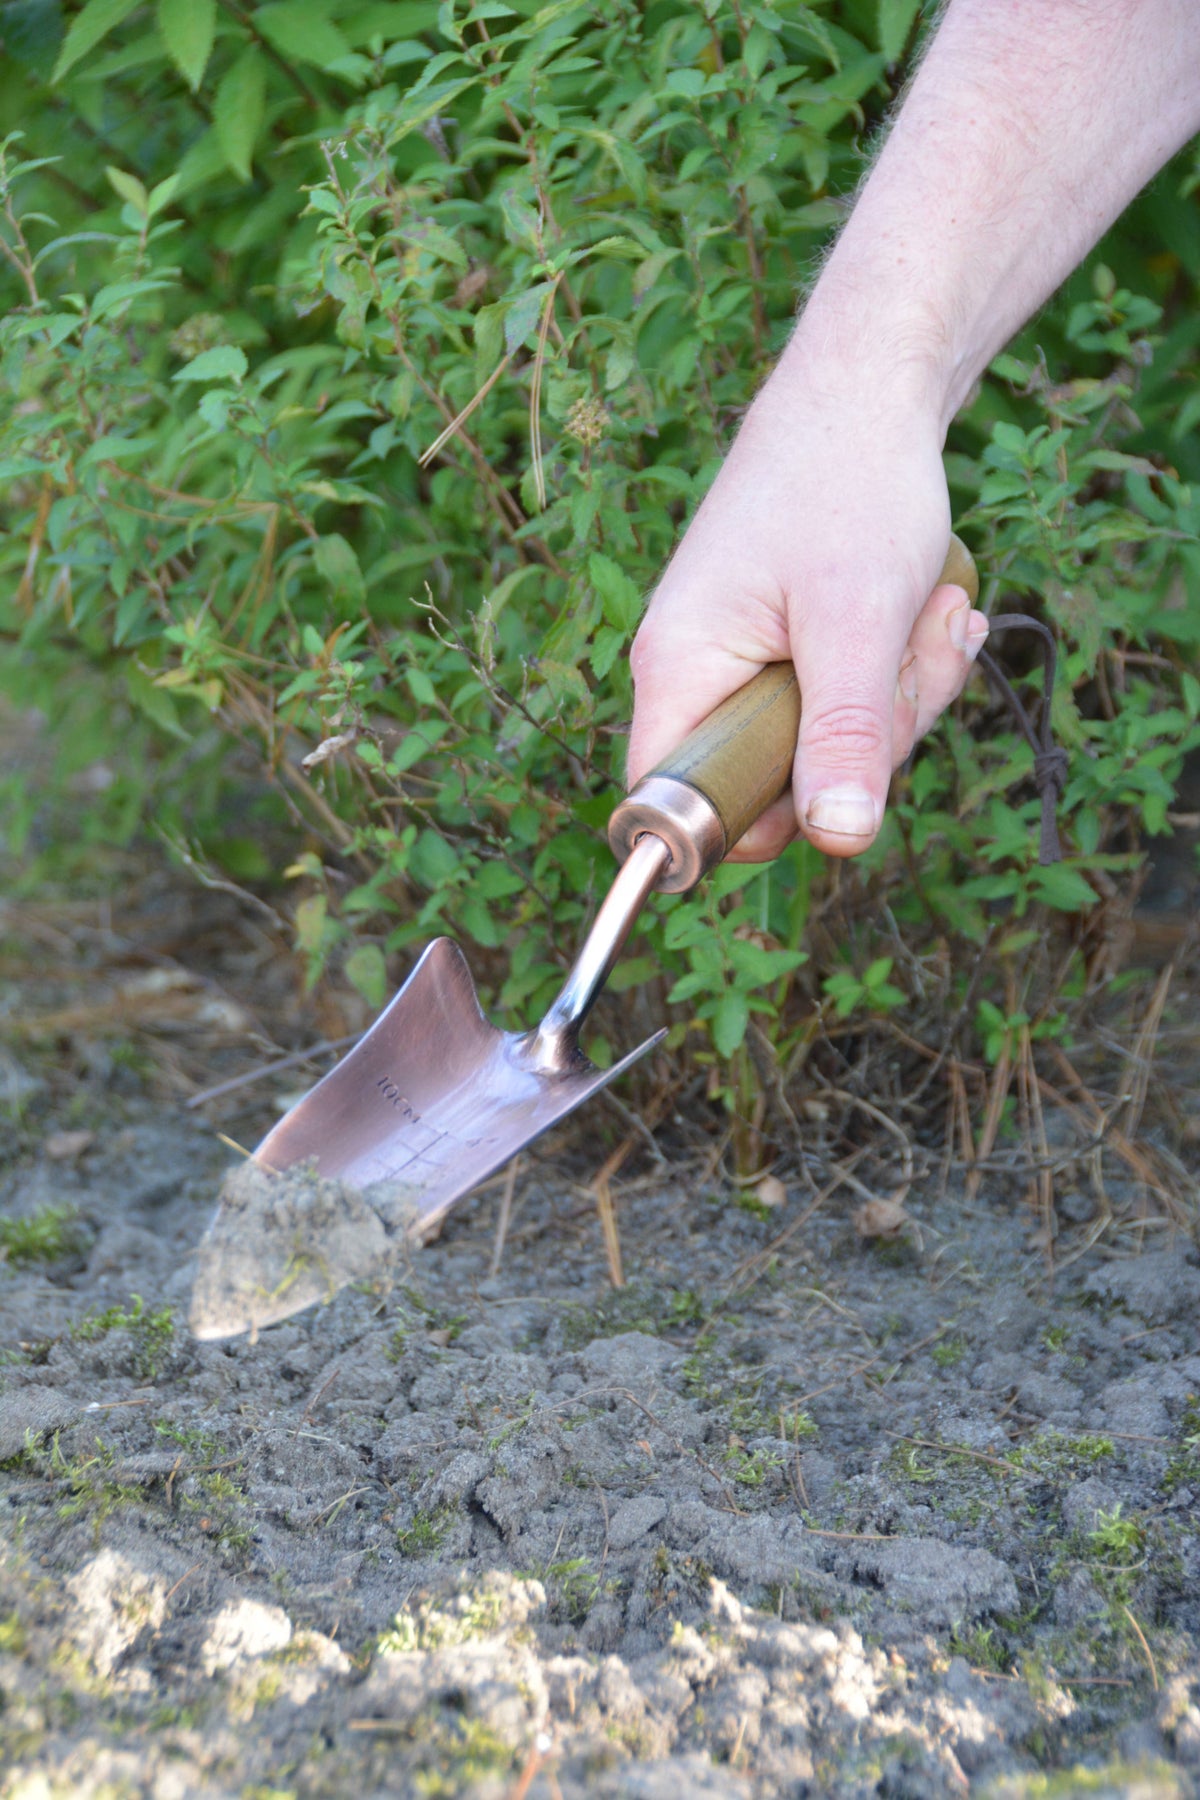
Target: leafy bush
[362,362]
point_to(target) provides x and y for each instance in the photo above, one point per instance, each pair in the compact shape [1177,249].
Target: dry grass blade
[600,1187]
[890,1125]
[1043,1181]
[960,1115]
[1141,1638]
[506,1200]
[459,420]
[535,397]
[1179,1205]
[997,1095]
[1143,1053]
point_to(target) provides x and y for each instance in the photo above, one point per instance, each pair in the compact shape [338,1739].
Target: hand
[820,541]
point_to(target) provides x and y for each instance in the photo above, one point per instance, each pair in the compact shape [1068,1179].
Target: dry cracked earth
[791,1513]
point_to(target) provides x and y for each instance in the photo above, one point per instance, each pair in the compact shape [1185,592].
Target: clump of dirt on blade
[284,1240]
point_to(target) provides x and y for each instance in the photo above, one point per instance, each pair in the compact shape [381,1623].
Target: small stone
[880,1219]
[65,1146]
[633,1519]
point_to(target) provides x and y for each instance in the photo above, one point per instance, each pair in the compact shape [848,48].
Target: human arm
[1027,128]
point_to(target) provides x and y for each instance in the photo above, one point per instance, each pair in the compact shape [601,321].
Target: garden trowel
[434,1099]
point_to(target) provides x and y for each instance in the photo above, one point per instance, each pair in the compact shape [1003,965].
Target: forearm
[1027,129]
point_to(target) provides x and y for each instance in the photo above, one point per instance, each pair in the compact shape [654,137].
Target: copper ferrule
[688,824]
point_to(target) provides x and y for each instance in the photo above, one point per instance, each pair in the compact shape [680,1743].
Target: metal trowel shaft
[553,1046]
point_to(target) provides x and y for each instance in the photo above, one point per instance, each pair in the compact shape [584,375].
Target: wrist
[880,366]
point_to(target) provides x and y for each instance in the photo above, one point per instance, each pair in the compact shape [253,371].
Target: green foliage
[360,364]
[1116,1539]
[425,1532]
[871,990]
[150,1334]
[46,1235]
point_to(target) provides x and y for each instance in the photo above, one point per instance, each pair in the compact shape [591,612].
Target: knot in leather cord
[1050,768]
[1050,763]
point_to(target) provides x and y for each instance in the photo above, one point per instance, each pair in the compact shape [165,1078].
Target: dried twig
[1141,1638]
[502,1223]
[600,1187]
[535,397]
[459,420]
[997,1094]
[272,1068]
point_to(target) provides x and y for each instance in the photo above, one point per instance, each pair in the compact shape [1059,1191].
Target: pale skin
[1027,129]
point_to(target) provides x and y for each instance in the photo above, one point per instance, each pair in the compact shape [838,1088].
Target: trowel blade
[429,1103]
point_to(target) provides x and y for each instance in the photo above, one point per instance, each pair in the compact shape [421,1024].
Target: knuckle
[848,727]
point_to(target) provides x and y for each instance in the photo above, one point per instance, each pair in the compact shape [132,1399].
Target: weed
[949,1351]
[1116,1539]
[908,1463]
[981,1648]
[1054,1453]
[201,1444]
[12,1635]
[750,1468]
[47,1235]
[93,1491]
[572,1587]
[439,1327]
[480,1612]
[426,1531]
[685,1307]
[1183,1466]
[151,1334]
[469,1755]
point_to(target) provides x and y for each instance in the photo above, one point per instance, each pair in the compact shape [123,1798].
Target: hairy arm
[1027,128]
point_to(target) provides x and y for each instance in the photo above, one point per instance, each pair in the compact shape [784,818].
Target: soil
[806,1507]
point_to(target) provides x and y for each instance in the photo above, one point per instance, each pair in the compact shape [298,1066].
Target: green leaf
[339,565]
[523,315]
[730,1020]
[1063,888]
[896,19]
[238,111]
[620,597]
[759,45]
[130,189]
[366,971]
[157,704]
[224,362]
[186,28]
[162,194]
[302,29]
[606,648]
[688,82]
[97,19]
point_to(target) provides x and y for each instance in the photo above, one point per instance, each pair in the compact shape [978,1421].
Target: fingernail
[976,636]
[906,684]
[844,811]
[956,625]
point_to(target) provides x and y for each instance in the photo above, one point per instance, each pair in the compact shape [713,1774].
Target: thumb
[847,668]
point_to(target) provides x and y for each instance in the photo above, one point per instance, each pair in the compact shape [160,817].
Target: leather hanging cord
[1050,765]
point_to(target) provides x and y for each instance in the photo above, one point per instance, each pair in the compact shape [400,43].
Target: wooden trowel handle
[706,794]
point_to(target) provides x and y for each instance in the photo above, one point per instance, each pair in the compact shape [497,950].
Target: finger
[905,708]
[847,665]
[945,640]
[693,649]
[769,835]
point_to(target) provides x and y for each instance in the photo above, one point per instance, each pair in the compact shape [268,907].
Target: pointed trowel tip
[281,1242]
